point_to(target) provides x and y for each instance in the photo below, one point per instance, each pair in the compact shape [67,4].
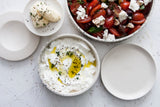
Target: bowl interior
[94,53]
[102,40]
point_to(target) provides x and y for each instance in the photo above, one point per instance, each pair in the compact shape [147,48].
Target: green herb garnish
[37,24]
[77,78]
[82,65]
[80,1]
[52,66]
[30,13]
[69,53]
[41,18]
[95,29]
[142,7]
[60,73]
[58,53]
[44,24]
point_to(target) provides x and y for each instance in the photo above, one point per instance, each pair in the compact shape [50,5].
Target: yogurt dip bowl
[69,65]
[84,20]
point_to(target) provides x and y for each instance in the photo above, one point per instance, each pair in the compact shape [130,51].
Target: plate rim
[155,72]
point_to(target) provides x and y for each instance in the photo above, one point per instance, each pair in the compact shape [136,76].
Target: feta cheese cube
[111,37]
[103,5]
[147,1]
[134,5]
[105,35]
[122,16]
[81,13]
[130,25]
[99,21]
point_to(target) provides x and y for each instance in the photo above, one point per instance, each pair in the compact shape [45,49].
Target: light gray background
[20,85]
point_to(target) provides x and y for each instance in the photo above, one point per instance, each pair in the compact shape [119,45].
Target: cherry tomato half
[86,20]
[138,16]
[134,29]
[114,31]
[125,5]
[95,9]
[99,13]
[92,5]
[139,22]
[109,22]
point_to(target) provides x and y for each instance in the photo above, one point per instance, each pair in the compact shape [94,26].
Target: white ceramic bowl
[73,36]
[102,40]
[16,41]
[51,28]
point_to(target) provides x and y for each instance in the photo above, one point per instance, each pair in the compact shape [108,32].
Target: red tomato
[134,29]
[138,16]
[139,22]
[109,22]
[99,13]
[125,5]
[95,9]
[73,7]
[114,31]
[86,20]
[92,5]
[100,34]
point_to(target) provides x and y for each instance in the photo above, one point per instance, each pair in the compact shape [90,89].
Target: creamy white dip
[67,66]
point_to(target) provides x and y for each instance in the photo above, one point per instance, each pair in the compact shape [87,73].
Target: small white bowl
[73,36]
[16,41]
[102,40]
[51,28]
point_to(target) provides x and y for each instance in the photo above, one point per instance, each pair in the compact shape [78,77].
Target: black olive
[109,12]
[129,12]
[125,22]
[121,29]
[89,1]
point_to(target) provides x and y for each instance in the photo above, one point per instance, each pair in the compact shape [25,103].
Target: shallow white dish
[51,28]
[128,71]
[16,42]
[102,40]
[73,36]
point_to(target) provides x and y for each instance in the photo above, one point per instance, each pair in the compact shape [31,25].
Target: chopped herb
[77,78]
[60,73]
[41,3]
[69,53]
[44,24]
[31,13]
[58,53]
[80,1]
[82,65]
[78,74]
[52,66]
[97,11]
[41,18]
[72,72]
[142,7]
[37,4]
[37,24]
[95,29]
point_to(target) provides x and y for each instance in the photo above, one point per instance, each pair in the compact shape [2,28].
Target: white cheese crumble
[134,5]
[110,37]
[122,16]
[81,13]
[107,36]
[116,22]
[103,5]
[130,25]
[147,1]
[99,21]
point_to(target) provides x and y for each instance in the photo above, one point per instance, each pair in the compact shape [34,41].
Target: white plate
[51,28]
[128,72]
[16,42]
[73,36]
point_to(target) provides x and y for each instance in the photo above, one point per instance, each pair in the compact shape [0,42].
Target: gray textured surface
[20,85]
